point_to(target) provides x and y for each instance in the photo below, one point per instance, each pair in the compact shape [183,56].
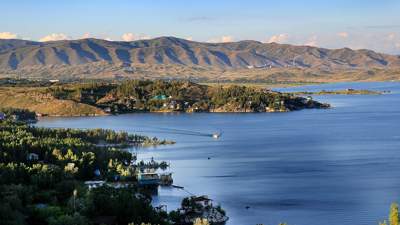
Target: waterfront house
[200,207]
[148,178]
[107,110]
[94,183]
[203,200]
[172,104]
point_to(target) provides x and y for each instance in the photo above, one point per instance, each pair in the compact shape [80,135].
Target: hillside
[36,100]
[148,96]
[169,57]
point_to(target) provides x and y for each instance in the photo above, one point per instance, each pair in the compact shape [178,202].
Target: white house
[94,184]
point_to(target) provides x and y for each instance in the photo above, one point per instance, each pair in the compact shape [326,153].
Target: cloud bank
[134,37]
[54,37]
[279,38]
[223,39]
[8,35]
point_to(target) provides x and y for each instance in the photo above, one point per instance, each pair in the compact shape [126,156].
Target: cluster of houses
[170,103]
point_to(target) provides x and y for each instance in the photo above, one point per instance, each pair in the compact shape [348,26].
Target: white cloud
[397,45]
[279,38]
[54,37]
[343,34]
[86,35]
[312,41]
[133,37]
[7,35]
[223,39]
[189,38]
[128,37]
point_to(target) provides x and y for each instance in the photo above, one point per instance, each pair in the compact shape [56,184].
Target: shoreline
[174,112]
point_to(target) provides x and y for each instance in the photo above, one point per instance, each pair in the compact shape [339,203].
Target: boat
[216,135]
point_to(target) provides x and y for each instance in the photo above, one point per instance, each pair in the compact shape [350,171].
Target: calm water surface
[336,166]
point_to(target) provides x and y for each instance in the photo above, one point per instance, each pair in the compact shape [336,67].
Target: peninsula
[349,91]
[102,98]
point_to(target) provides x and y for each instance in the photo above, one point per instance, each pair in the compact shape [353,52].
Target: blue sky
[371,24]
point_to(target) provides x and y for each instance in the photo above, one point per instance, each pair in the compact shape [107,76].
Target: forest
[42,175]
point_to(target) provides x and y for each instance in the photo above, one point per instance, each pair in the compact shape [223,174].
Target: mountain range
[178,57]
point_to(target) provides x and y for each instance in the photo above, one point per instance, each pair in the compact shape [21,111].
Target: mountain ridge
[29,56]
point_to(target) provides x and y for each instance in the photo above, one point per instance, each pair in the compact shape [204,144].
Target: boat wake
[181,132]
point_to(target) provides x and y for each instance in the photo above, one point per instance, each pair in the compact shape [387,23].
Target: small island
[348,91]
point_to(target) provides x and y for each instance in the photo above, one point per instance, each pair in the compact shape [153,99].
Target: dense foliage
[18,114]
[42,173]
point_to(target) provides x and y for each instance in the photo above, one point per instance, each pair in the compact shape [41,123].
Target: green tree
[76,219]
[394,214]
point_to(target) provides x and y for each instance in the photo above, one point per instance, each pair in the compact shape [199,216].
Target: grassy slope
[205,74]
[30,99]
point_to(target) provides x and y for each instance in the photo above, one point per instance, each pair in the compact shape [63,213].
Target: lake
[335,166]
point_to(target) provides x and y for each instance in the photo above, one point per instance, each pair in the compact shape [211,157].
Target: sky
[358,24]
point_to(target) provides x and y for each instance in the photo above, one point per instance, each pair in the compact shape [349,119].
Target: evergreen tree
[394,214]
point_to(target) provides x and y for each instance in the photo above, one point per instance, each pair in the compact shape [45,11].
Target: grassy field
[35,100]
[262,84]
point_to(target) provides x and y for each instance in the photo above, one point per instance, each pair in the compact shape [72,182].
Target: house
[172,104]
[160,97]
[2,116]
[32,157]
[203,200]
[148,178]
[107,110]
[94,184]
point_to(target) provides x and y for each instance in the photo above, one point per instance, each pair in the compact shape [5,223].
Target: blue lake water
[335,166]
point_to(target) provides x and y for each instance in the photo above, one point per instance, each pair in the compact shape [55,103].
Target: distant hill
[174,57]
